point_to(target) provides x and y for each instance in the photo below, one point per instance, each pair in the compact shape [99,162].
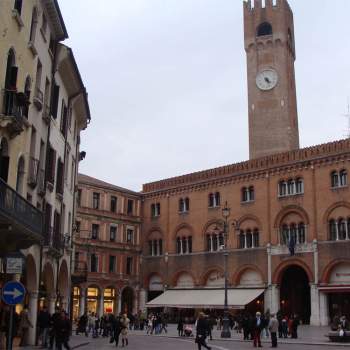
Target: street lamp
[226,333]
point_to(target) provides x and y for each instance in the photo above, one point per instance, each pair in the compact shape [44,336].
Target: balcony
[33,172]
[21,223]
[53,241]
[16,105]
[80,272]
[38,99]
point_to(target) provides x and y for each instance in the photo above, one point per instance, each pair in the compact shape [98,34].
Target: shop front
[93,295]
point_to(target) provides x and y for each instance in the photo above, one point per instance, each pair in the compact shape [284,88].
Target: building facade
[288,228]
[107,249]
[43,109]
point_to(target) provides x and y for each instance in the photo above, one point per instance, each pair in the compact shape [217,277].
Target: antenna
[347,115]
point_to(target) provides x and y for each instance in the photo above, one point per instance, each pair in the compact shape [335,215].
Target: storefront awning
[205,298]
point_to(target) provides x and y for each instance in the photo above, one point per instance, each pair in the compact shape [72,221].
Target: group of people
[106,326]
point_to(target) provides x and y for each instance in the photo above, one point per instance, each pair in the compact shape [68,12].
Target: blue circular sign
[13,293]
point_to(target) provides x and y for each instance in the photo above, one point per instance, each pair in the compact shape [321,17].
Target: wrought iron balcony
[33,172]
[21,222]
[16,107]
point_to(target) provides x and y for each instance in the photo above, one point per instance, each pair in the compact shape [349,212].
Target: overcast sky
[167,82]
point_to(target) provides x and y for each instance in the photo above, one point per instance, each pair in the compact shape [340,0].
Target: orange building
[107,245]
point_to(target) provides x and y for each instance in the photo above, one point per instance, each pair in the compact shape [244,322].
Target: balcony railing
[17,210]
[80,272]
[33,172]
[53,240]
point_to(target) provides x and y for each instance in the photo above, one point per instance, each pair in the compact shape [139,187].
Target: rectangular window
[113,204]
[60,177]
[43,25]
[130,207]
[63,126]
[18,6]
[129,235]
[54,100]
[94,263]
[95,228]
[129,265]
[113,233]
[77,226]
[111,264]
[51,165]
[79,197]
[95,200]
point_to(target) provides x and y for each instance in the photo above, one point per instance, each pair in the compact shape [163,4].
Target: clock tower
[272,103]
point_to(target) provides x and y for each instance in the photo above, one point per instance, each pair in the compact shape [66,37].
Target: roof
[88,180]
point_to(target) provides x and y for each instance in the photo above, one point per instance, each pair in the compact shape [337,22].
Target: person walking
[180,327]
[43,325]
[62,331]
[24,324]
[125,326]
[117,330]
[273,327]
[82,325]
[257,326]
[202,330]
[294,327]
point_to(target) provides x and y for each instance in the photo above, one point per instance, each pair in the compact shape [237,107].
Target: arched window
[342,229]
[301,233]
[299,184]
[187,204]
[334,179]
[343,177]
[241,240]
[20,175]
[251,193]
[256,242]
[33,25]
[244,194]
[285,234]
[291,186]
[181,205]
[184,245]
[217,199]
[282,188]
[249,238]
[264,28]
[10,84]
[211,200]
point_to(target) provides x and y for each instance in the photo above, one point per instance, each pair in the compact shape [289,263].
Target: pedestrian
[125,324]
[91,322]
[246,327]
[180,327]
[24,324]
[117,330]
[53,326]
[44,326]
[202,330]
[257,326]
[82,325]
[62,331]
[210,327]
[273,327]
[294,327]
[285,327]
[163,324]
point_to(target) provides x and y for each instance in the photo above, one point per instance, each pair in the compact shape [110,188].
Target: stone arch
[182,226]
[247,218]
[239,273]
[208,272]
[48,278]
[333,207]
[149,277]
[289,210]
[277,275]
[218,222]
[182,272]
[329,268]
[31,274]
[263,29]
[153,230]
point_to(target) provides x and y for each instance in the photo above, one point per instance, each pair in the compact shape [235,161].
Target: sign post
[13,293]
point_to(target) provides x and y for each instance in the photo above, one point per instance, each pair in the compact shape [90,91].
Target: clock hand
[267,80]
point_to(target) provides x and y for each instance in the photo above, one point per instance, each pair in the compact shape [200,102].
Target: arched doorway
[47,288]
[127,300]
[63,286]
[295,293]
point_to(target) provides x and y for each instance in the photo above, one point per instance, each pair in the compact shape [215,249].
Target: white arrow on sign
[15,293]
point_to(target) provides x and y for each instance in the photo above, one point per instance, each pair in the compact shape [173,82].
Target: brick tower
[272,104]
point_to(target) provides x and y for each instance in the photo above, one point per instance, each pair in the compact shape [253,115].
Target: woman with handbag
[202,329]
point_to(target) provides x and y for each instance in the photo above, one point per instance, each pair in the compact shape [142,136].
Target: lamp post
[226,333]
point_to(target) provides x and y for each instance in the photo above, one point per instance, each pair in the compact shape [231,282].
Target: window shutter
[4,167]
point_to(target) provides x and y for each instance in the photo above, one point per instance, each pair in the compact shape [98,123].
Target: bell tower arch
[272,103]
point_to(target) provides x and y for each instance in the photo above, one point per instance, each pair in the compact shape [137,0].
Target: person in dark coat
[258,325]
[294,328]
[53,326]
[62,331]
[82,325]
[117,330]
[180,327]
[246,327]
[43,324]
[202,329]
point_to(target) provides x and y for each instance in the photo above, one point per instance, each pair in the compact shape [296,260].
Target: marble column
[315,305]
[324,313]
[82,301]
[272,298]
[33,312]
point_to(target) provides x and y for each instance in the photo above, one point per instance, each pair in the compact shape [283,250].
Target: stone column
[82,301]
[143,299]
[119,301]
[33,313]
[272,298]
[315,305]
[52,303]
[100,304]
[324,312]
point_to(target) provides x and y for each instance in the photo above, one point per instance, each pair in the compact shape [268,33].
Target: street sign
[13,293]
[14,265]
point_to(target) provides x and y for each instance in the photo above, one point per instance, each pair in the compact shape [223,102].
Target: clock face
[267,79]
